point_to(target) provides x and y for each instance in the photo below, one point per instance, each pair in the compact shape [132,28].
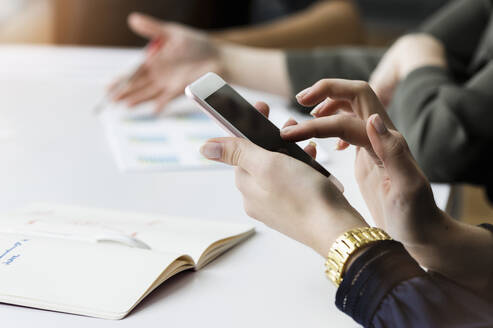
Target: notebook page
[184,236]
[91,279]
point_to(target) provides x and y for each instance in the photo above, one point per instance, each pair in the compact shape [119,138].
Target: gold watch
[346,245]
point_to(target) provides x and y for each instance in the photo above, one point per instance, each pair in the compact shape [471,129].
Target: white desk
[56,151]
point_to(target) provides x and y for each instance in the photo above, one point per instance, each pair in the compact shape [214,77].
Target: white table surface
[53,149]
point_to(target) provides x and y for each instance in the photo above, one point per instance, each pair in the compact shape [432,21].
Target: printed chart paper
[141,141]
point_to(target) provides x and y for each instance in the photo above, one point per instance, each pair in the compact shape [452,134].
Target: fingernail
[212,150]
[136,16]
[287,129]
[291,119]
[313,144]
[302,93]
[378,124]
[317,108]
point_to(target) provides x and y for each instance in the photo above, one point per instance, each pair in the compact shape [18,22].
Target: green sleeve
[447,125]
[460,27]
[307,67]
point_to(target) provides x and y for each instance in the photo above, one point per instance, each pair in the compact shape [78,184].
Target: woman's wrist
[431,239]
[431,53]
[223,52]
[327,228]
[254,68]
[459,251]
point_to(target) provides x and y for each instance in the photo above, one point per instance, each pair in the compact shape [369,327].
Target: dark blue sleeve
[432,301]
[385,287]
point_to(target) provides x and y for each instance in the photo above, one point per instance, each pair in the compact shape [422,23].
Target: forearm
[458,251]
[259,69]
[326,23]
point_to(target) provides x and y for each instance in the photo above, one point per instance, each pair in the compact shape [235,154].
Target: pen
[150,50]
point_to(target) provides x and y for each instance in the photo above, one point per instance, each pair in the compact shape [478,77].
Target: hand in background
[185,55]
[410,52]
[284,193]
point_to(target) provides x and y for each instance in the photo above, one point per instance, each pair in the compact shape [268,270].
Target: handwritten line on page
[7,256]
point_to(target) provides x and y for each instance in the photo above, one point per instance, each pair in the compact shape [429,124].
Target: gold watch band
[346,245]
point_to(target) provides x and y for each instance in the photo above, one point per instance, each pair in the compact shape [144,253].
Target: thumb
[145,25]
[391,148]
[236,152]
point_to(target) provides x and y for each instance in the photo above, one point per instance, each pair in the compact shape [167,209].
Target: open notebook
[100,263]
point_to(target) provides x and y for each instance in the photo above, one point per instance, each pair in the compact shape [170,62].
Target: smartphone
[239,118]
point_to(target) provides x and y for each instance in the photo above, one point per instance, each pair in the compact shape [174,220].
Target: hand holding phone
[238,117]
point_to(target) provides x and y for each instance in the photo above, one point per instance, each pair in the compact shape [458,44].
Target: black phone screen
[255,127]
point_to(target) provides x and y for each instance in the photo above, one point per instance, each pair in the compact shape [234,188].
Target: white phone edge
[206,85]
[202,88]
